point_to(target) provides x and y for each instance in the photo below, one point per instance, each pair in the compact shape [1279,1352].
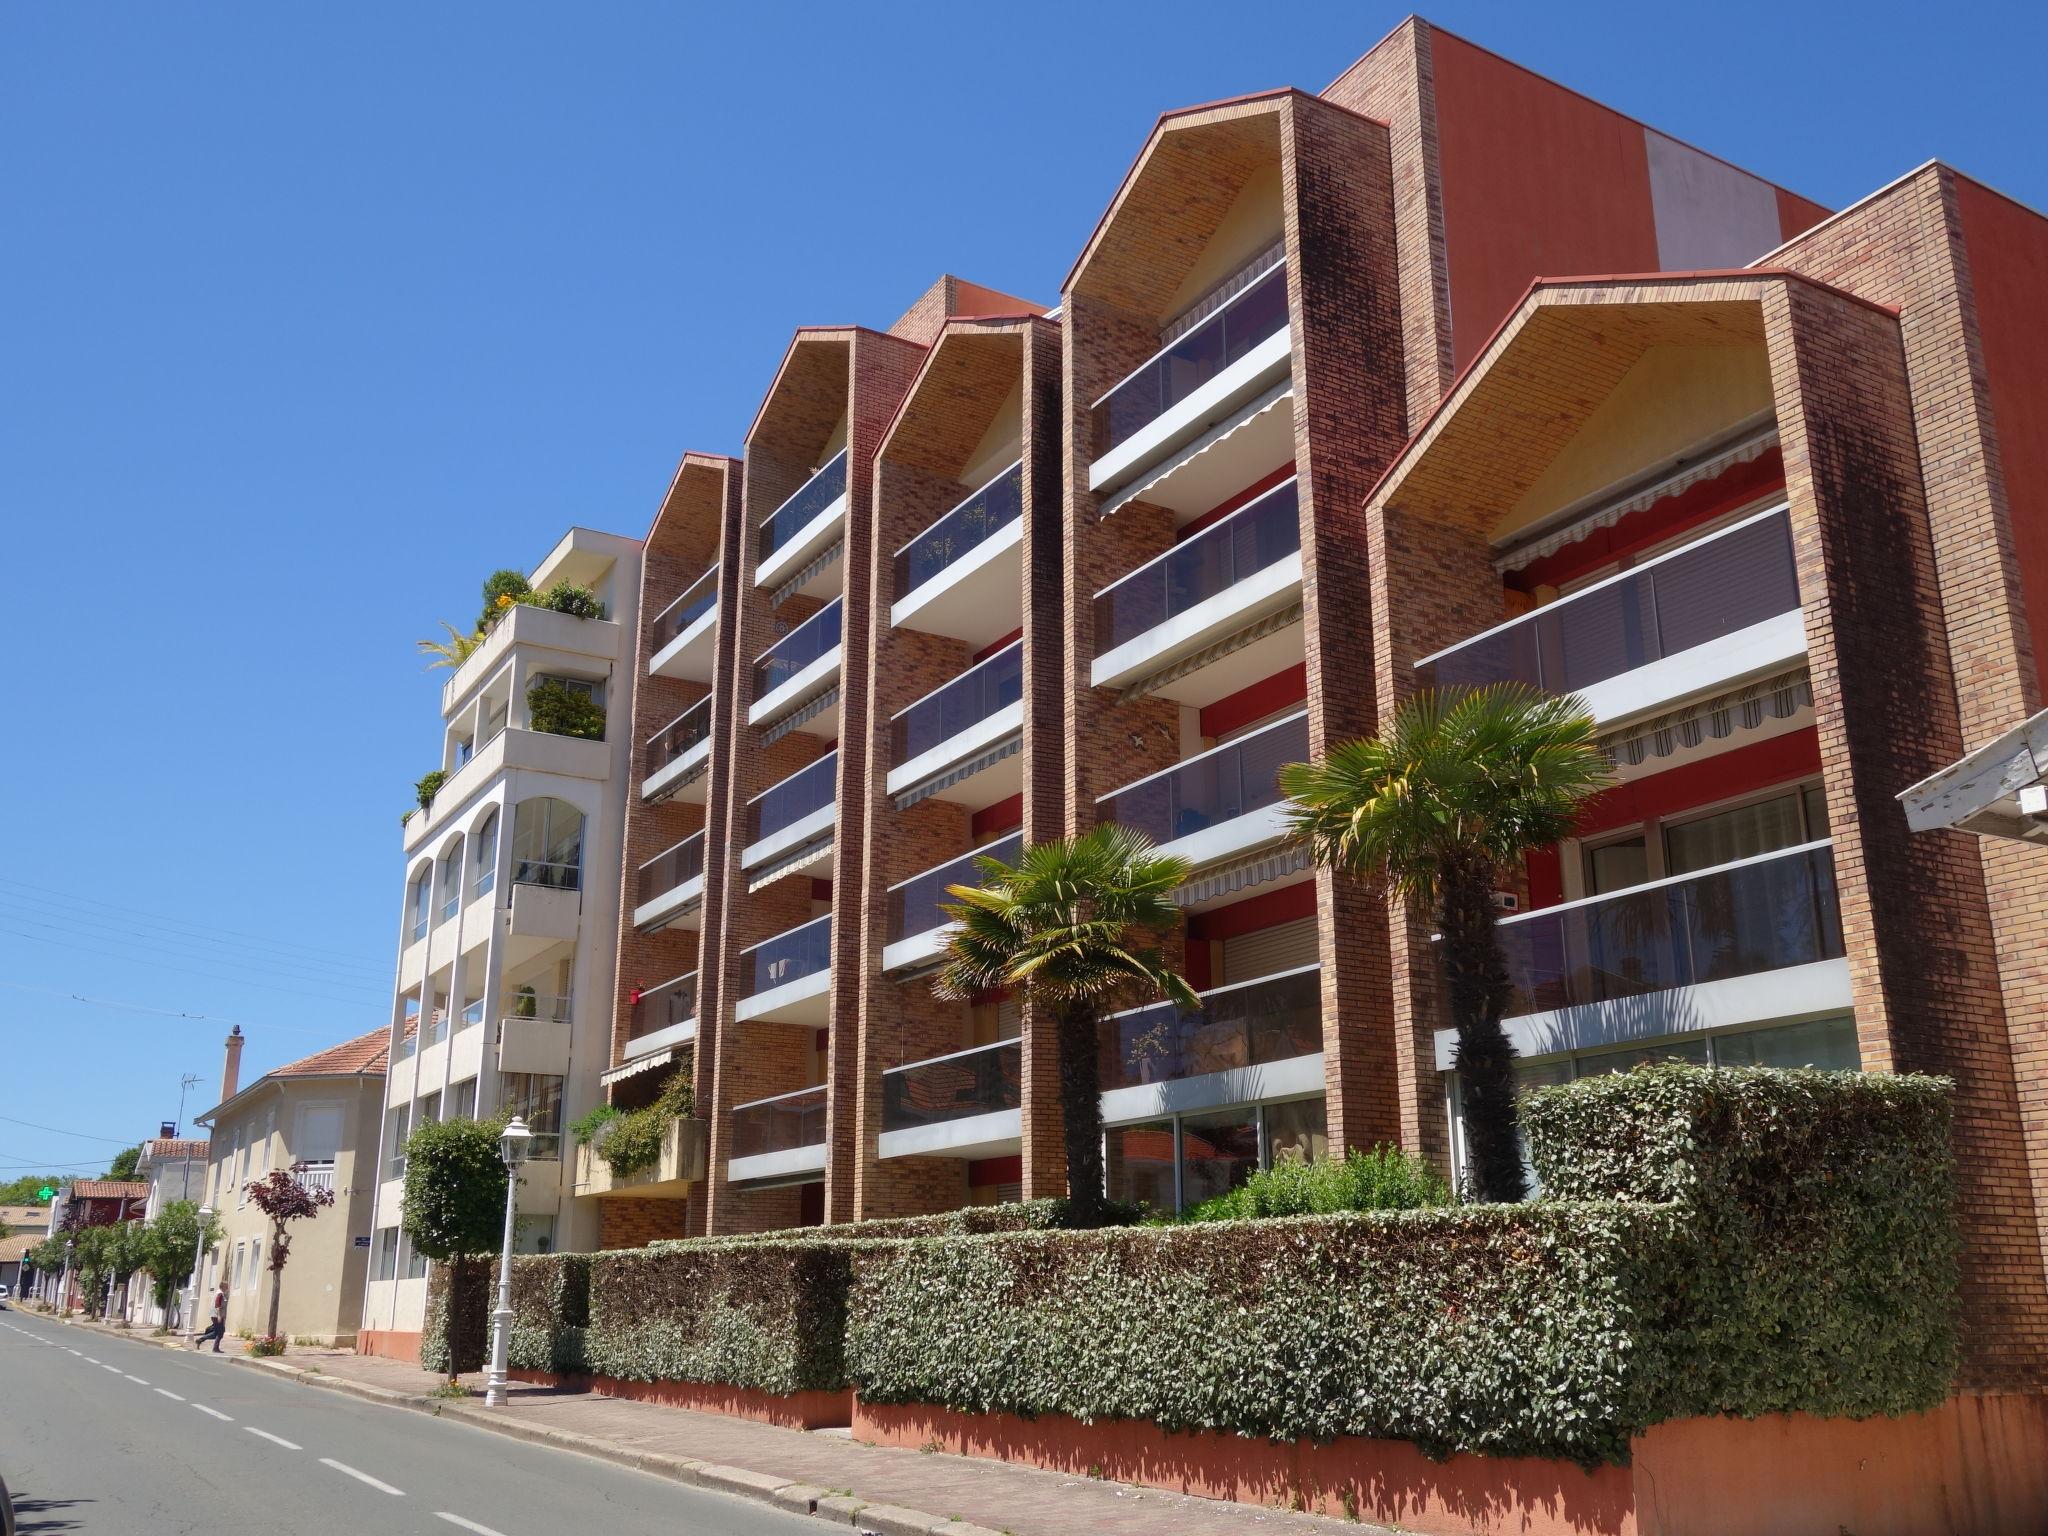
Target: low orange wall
[389,1345]
[1977,1464]
[797,1410]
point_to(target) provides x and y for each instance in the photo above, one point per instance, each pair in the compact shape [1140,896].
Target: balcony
[541,630]
[961,576]
[681,1163]
[1219,803]
[791,814]
[1744,942]
[663,1016]
[1251,1040]
[803,526]
[788,979]
[534,1036]
[684,635]
[797,668]
[1195,382]
[678,754]
[780,1139]
[965,719]
[671,884]
[1701,618]
[315,1178]
[918,929]
[1205,589]
[962,1105]
[509,751]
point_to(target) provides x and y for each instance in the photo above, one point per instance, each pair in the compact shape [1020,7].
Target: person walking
[217,1324]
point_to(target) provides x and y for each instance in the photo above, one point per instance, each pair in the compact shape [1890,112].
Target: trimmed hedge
[969,1221]
[550,1311]
[456,1335]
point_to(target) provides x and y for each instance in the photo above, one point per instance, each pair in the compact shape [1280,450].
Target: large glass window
[547,844]
[387,1254]
[417,900]
[1218,1152]
[484,856]
[1298,1129]
[462,1100]
[1141,1163]
[1181,1161]
[1740,832]
[451,882]
[537,1099]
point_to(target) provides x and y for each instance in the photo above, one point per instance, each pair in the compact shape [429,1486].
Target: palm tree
[1440,807]
[1076,924]
[453,651]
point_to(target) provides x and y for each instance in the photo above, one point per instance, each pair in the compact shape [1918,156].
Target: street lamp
[192,1280]
[512,1146]
[64,1286]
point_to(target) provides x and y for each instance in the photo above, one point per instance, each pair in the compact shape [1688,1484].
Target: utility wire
[186,970]
[172,944]
[115,1141]
[127,913]
[161,1013]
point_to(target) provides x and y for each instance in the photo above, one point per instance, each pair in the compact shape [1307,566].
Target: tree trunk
[276,1285]
[1081,1111]
[1476,980]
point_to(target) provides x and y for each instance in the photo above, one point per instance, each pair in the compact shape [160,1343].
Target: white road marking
[165,1392]
[467,1525]
[88,1359]
[215,1412]
[264,1434]
[114,1368]
[136,1379]
[361,1477]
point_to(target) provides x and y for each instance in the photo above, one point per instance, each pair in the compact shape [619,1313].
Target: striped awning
[1753,445]
[1280,396]
[636,1066]
[824,557]
[1741,709]
[810,709]
[1241,874]
[789,863]
[1257,630]
[1009,747]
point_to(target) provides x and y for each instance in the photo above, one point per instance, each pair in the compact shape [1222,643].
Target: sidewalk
[887,1490]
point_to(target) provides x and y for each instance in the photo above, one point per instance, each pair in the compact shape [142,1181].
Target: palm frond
[453,651]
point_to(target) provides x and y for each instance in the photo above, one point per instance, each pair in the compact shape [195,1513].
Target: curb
[866,1519]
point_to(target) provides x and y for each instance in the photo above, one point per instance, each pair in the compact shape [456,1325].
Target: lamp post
[192,1280]
[64,1285]
[512,1145]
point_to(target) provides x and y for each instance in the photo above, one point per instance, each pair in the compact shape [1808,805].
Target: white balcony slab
[511,750]
[1265,591]
[1215,401]
[958,747]
[1253,442]
[533,1045]
[692,654]
[918,949]
[996,1134]
[666,1038]
[804,830]
[1214,1090]
[807,1000]
[807,541]
[539,629]
[1228,839]
[540,1186]
[543,912]
[658,784]
[979,598]
[1789,994]
[792,691]
[792,1164]
[1749,653]
[670,904]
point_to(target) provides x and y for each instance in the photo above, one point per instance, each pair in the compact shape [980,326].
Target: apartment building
[508,925]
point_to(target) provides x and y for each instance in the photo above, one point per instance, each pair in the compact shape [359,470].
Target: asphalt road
[112,1437]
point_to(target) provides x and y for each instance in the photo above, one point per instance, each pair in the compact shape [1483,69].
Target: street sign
[362,1242]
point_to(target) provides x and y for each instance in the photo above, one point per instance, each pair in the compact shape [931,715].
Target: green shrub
[456,1335]
[1384,1179]
[425,789]
[559,710]
[968,1221]
[268,1344]
[550,1311]
[634,1139]
[502,589]
[586,1127]
[567,597]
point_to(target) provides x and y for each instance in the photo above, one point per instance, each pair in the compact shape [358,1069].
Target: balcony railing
[956,706]
[1247,1024]
[980,1081]
[790,956]
[437,1028]
[409,1042]
[472,1013]
[985,513]
[914,904]
[691,728]
[1259,534]
[811,498]
[1219,785]
[1738,577]
[663,1007]
[672,867]
[786,803]
[315,1177]
[780,1124]
[527,1004]
[1170,375]
[697,599]
[813,638]
[1738,919]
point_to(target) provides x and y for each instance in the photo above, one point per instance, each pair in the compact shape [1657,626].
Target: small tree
[454,1213]
[123,1166]
[170,1241]
[284,1198]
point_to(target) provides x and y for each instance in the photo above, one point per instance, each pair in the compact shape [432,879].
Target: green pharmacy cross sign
[46,1193]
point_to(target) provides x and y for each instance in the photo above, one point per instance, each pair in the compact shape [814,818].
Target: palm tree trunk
[1476,978]
[1081,1111]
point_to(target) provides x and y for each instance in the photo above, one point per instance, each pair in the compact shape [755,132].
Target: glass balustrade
[813,638]
[968,526]
[1740,919]
[965,702]
[672,868]
[697,599]
[689,729]
[914,905]
[1245,1025]
[982,1081]
[781,1124]
[1192,360]
[789,956]
[526,1003]
[811,498]
[1218,786]
[1259,534]
[1738,577]
[782,805]
[663,1007]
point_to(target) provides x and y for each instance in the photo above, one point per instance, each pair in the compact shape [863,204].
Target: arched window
[417,899]
[547,844]
[451,881]
[485,844]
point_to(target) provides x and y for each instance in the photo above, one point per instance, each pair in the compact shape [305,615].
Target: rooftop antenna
[185,1085]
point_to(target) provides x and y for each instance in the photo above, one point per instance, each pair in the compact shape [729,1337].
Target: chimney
[231,1068]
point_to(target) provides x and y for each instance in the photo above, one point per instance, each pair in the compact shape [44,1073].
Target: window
[415,1262]
[417,900]
[533,1234]
[1175,1163]
[465,749]
[593,691]
[484,856]
[462,1100]
[547,844]
[430,1108]
[536,1099]
[318,1136]
[1826,1043]
[451,882]
[394,1141]
[254,1278]
[1141,1163]
[1617,865]
[387,1255]
[1218,1152]
[1737,833]
[235,1269]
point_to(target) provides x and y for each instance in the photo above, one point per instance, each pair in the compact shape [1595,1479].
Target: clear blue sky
[310,316]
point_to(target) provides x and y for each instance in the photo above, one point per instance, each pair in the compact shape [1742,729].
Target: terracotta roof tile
[14,1249]
[160,1149]
[365,1053]
[109,1189]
